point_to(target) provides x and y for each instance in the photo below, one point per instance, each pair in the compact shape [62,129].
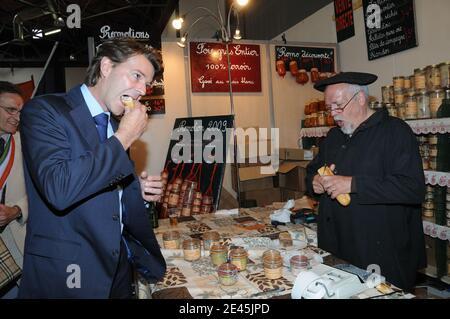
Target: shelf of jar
[437,178]
[431,229]
[319,131]
[430,126]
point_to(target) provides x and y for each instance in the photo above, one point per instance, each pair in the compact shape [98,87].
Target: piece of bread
[127,101]
[343,199]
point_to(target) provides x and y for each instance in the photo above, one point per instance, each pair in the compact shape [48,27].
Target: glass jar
[210,238]
[285,239]
[228,274]
[428,213]
[425,162]
[433,77]
[174,195]
[239,258]
[273,266]
[433,163]
[433,150]
[419,79]
[428,205]
[407,83]
[412,80]
[436,98]
[321,118]
[432,139]
[174,213]
[387,94]
[219,254]
[195,210]
[399,82]
[314,75]
[298,263]
[207,200]
[302,77]
[444,70]
[178,181]
[205,209]
[313,120]
[399,96]
[391,109]
[171,239]
[186,211]
[191,249]
[423,105]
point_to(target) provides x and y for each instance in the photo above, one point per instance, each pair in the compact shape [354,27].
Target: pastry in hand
[343,199]
[127,101]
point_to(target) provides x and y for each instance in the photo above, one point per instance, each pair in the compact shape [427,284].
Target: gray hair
[353,88]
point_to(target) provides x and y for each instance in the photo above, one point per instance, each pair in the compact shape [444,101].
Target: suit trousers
[122,285]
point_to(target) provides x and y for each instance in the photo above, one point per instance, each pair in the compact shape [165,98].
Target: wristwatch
[20,212]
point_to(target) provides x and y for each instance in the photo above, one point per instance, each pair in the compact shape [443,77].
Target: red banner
[209,67]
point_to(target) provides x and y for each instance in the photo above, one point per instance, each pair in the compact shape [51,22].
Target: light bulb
[237,34]
[177,23]
[242,3]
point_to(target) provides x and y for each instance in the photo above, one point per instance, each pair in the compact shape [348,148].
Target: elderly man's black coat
[382,225]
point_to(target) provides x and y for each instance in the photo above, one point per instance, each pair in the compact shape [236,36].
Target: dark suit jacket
[73,232]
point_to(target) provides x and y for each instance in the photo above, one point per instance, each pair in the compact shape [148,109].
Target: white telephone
[327,283]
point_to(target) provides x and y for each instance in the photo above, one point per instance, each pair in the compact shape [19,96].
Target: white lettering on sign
[106,33]
[373,16]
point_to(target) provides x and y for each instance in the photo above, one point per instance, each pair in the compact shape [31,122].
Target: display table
[251,229]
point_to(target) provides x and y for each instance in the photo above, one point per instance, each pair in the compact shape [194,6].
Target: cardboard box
[291,175]
[297,154]
[251,178]
[287,194]
[263,197]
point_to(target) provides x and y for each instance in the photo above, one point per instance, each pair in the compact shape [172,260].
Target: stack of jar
[428,204]
[418,96]
[316,114]
[428,151]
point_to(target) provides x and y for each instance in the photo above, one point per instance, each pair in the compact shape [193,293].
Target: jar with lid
[419,79]
[407,83]
[425,162]
[412,80]
[321,118]
[432,139]
[205,209]
[423,105]
[433,77]
[191,249]
[436,98]
[219,254]
[239,258]
[399,82]
[298,263]
[444,70]
[228,274]
[210,238]
[313,121]
[391,109]
[428,213]
[186,210]
[273,266]
[387,94]
[302,77]
[174,195]
[195,210]
[171,239]
[399,96]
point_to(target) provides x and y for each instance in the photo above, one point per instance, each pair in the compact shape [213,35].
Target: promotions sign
[209,67]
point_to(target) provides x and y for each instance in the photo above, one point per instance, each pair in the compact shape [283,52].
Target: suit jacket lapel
[82,117]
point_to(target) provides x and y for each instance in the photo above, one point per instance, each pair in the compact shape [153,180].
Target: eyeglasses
[338,108]
[10,110]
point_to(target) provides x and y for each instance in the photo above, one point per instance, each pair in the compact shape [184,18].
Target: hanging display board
[307,57]
[390,27]
[194,155]
[209,67]
[345,26]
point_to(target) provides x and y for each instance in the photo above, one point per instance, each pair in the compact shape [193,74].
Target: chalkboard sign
[198,150]
[390,27]
[345,26]
[307,57]
[209,67]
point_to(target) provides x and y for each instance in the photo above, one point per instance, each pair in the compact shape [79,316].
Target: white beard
[347,128]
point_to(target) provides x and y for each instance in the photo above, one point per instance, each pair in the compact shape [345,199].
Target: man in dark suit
[87,222]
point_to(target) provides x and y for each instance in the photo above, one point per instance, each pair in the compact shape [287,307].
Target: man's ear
[361,98]
[106,66]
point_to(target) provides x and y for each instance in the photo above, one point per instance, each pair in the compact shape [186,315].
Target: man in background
[13,199]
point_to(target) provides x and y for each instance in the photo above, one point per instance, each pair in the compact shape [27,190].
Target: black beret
[346,77]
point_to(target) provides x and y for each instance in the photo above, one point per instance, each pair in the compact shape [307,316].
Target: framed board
[196,154]
[390,27]
[209,67]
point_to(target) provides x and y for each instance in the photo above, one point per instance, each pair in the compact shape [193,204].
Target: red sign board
[209,67]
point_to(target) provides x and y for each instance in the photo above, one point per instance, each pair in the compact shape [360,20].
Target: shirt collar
[93,106]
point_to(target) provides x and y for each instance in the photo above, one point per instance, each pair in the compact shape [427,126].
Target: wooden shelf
[430,126]
[320,131]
